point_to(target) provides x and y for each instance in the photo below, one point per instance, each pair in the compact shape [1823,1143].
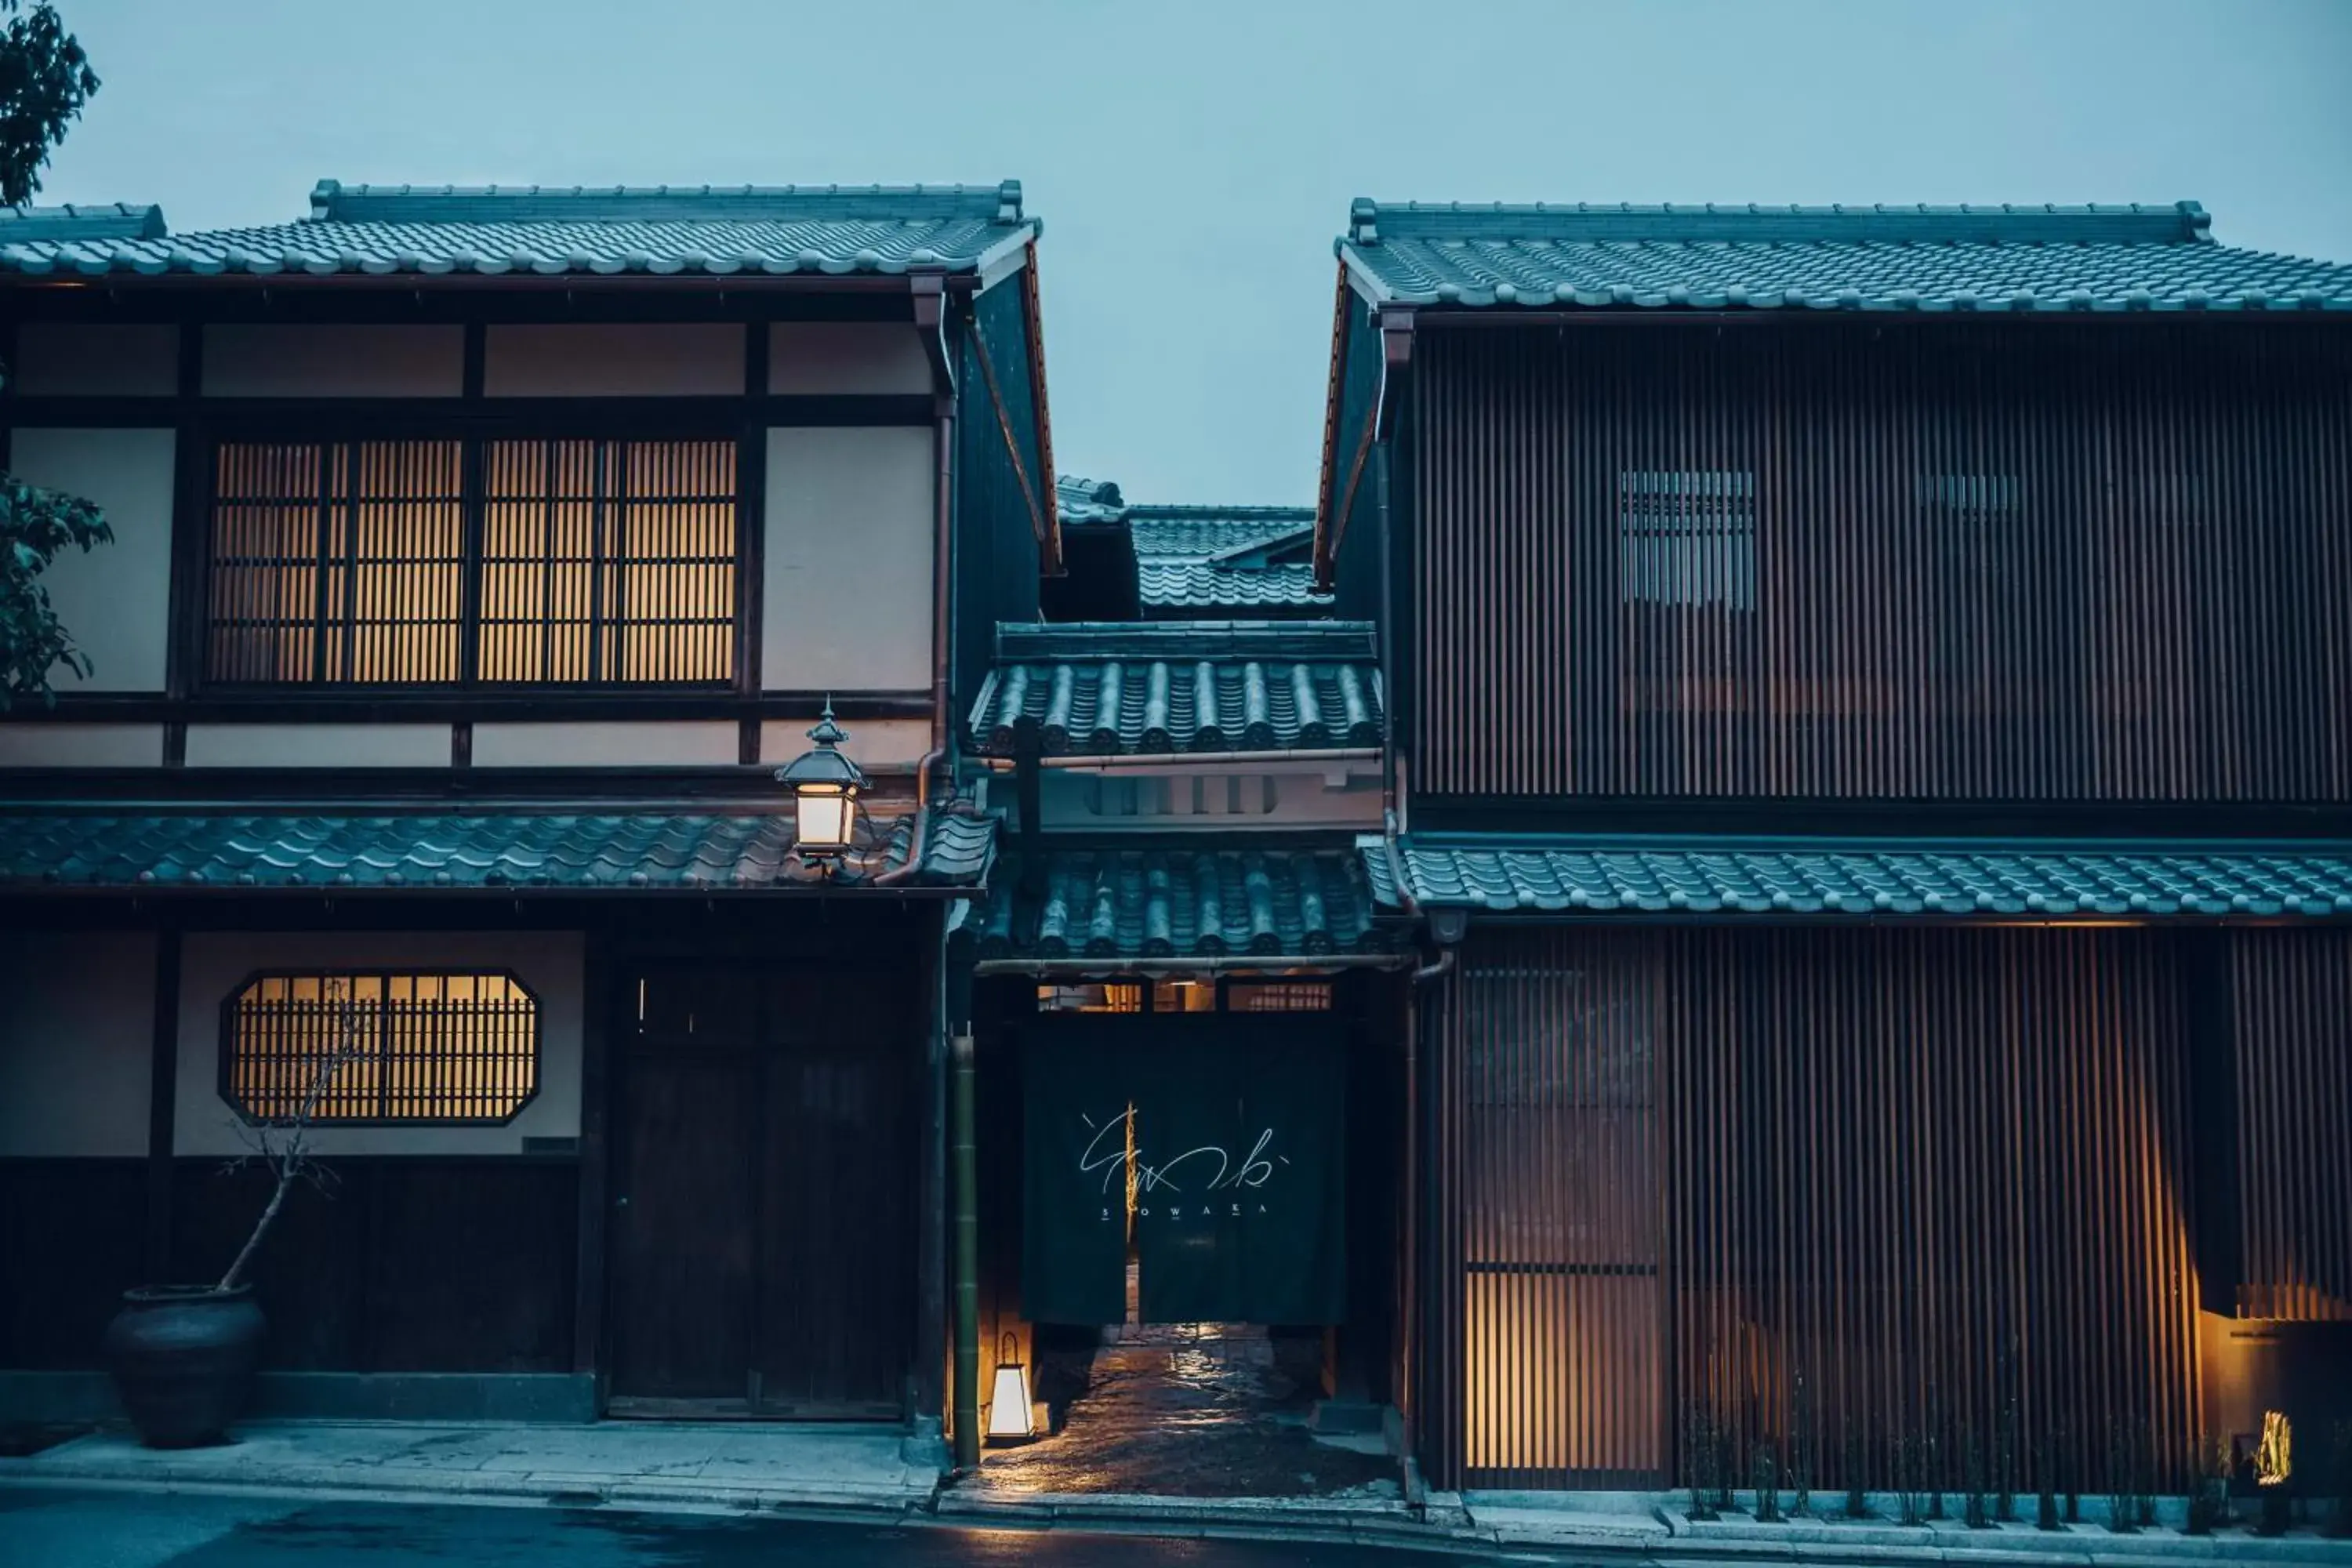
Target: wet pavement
[1192,1410]
[58,1528]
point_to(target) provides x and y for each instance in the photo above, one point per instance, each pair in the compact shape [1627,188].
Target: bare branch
[290,1159]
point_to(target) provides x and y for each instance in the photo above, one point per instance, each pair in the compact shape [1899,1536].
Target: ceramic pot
[183,1358]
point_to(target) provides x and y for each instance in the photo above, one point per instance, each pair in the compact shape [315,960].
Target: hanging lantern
[1010,1419]
[825,785]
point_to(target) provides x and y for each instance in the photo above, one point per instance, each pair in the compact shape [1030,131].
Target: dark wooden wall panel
[1848,1193]
[406,1263]
[1982,561]
[2293,992]
[71,1236]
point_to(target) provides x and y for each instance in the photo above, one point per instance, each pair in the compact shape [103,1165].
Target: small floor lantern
[825,785]
[1010,1419]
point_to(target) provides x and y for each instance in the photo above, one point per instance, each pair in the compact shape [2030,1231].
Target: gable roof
[1446,257]
[576,231]
[1910,258]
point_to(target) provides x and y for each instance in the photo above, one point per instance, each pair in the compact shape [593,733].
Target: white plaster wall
[318,746]
[76,1040]
[42,744]
[848,560]
[872,742]
[245,361]
[619,360]
[213,965]
[56,359]
[635,743]
[855,359]
[115,600]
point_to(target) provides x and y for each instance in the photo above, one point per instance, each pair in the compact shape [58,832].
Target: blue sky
[1194,158]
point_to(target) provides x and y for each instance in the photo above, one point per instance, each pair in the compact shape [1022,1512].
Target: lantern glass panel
[823,820]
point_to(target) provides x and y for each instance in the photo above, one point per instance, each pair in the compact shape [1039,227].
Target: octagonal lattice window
[382,1048]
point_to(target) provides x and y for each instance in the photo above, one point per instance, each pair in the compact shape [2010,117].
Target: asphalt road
[45,1528]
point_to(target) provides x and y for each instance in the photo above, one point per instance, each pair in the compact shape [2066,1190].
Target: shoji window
[575,563]
[608,562]
[340,560]
[381,1046]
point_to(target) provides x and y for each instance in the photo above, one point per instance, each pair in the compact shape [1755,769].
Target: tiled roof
[505,852]
[1083,500]
[1201,588]
[1989,258]
[1179,903]
[1130,689]
[1942,879]
[432,229]
[1201,560]
[1213,532]
[82,221]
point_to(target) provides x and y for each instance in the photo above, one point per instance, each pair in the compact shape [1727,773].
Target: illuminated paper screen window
[608,562]
[336,562]
[406,1047]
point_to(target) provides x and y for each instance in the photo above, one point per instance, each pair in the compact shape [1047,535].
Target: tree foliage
[34,525]
[45,79]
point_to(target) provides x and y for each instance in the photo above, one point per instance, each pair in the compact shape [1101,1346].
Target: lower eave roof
[502,853]
[1124,907]
[2026,880]
[1144,689]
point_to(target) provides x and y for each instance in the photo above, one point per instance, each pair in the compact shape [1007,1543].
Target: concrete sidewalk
[1655,1527]
[633,1463]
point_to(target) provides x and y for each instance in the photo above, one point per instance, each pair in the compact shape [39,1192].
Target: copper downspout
[931,315]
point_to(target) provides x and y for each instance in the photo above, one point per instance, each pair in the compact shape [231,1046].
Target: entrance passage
[1188,1410]
[1211,1148]
[763,1232]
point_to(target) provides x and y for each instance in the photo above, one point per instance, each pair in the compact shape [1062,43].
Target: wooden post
[162,1102]
[930,1213]
[598,999]
[967,1260]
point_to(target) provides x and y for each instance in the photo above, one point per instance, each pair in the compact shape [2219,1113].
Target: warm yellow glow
[2274,1456]
[826,817]
[610,562]
[1009,1417]
[424,1047]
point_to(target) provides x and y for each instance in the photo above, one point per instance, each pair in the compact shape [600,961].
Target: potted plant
[182,1356]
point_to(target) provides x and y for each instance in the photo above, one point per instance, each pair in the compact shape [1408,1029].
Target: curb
[542,1488]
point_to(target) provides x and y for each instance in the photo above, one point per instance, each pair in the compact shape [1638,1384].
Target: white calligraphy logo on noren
[1255,1171]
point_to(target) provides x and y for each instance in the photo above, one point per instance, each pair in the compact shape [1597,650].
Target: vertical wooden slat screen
[608,562]
[1942,1177]
[429,1047]
[336,562]
[602,562]
[2294,1052]
[1982,560]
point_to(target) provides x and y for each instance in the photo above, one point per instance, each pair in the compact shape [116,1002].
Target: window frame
[1148,1006]
[474,432]
[224,1041]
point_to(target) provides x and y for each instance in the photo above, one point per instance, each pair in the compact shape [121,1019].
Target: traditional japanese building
[1872,698]
[480,556]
